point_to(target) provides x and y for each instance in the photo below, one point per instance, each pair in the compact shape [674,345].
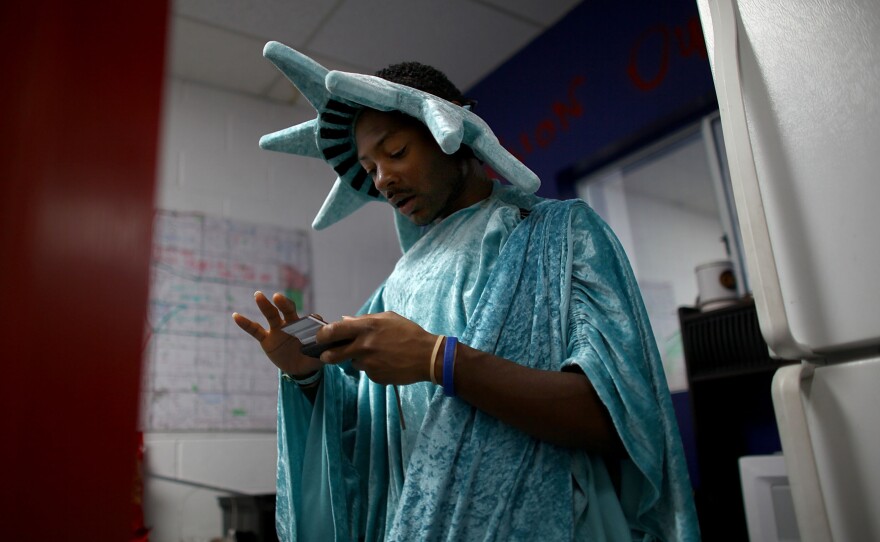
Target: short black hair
[425,78]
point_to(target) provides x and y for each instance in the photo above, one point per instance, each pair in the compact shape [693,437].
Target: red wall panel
[80,100]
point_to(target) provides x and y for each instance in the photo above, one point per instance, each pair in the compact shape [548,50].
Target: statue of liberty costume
[539,282]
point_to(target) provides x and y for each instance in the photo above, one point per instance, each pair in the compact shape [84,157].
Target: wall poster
[201,372]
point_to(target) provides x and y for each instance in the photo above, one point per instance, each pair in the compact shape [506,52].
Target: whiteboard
[201,372]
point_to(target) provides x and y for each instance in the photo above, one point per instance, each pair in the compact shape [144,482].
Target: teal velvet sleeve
[332,471]
[610,340]
[315,473]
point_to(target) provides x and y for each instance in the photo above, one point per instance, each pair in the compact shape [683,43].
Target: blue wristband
[449,366]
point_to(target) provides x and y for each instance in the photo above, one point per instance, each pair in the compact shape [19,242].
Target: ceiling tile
[219,42]
[288,21]
[543,12]
[463,38]
[218,57]
[282,90]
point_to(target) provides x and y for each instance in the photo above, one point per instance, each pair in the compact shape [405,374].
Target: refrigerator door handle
[746,188]
[800,461]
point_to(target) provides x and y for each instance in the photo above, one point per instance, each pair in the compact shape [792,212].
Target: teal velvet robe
[550,291]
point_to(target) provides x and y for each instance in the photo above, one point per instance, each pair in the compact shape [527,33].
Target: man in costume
[503,383]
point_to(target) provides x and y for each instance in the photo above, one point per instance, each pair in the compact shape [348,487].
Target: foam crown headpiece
[338,96]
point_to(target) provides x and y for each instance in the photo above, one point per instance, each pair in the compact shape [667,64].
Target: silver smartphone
[305,330]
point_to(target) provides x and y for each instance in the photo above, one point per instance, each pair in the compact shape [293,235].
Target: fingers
[286,306]
[269,310]
[351,335]
[252,328]
[346,329]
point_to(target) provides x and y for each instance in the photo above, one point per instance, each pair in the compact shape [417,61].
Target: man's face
[416,177]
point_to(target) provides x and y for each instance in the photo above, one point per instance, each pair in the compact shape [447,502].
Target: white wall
[210,162]
[669,241]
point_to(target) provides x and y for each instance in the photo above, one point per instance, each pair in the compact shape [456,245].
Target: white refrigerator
[798,86]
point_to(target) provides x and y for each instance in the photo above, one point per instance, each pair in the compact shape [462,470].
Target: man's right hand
[280,347]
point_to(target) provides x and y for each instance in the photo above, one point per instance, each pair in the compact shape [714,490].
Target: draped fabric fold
[560,294]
